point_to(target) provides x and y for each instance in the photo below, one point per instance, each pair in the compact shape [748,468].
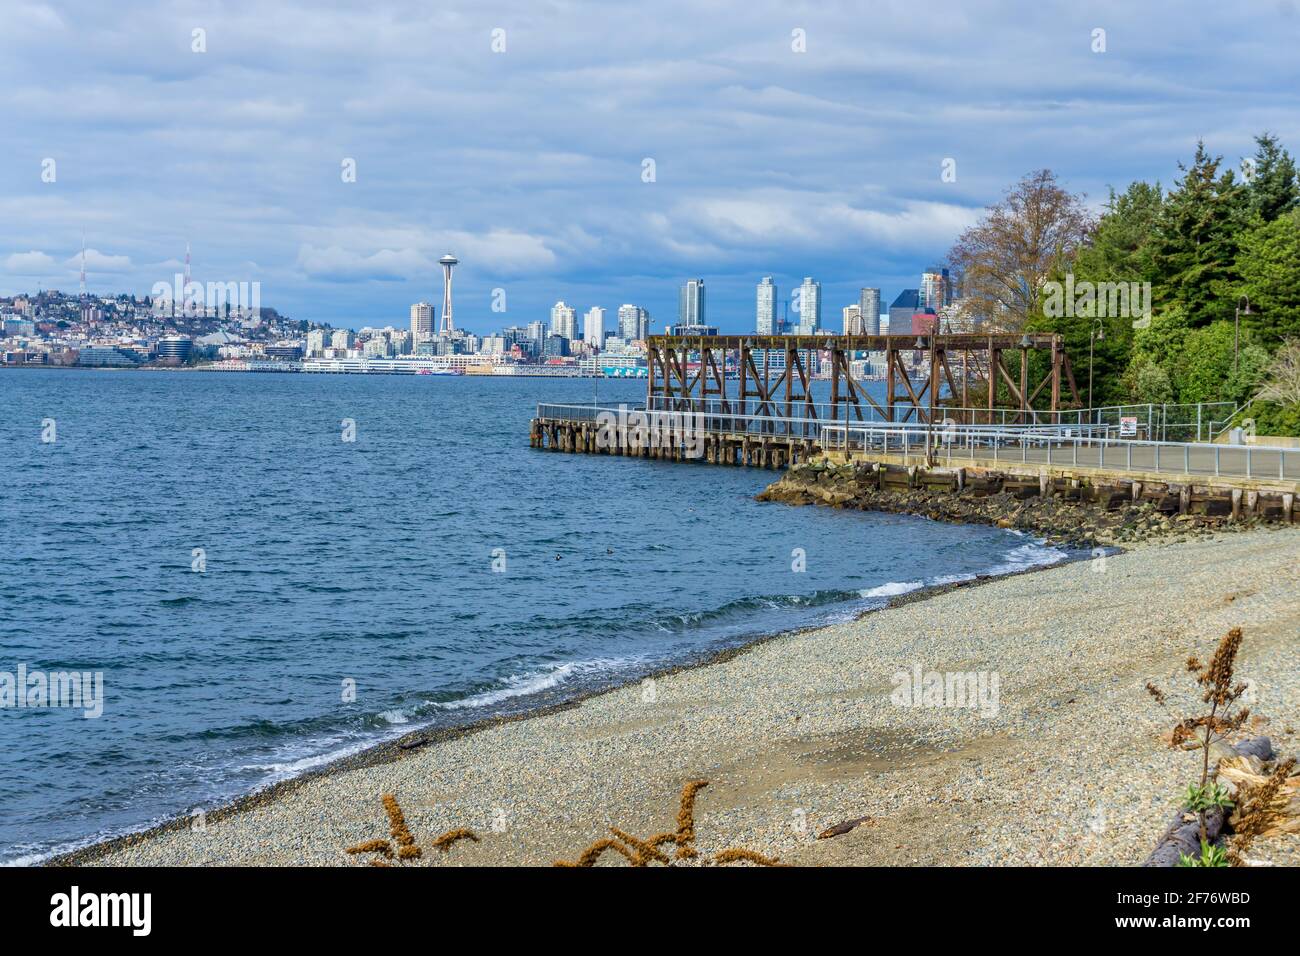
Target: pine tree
[1272,190]
[1195,248]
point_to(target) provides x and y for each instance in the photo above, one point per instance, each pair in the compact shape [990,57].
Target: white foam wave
[891,589]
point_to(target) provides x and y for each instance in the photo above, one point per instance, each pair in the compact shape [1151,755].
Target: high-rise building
[935,289]
[537,335]
[869,309]
[593,326]
[766,311]
[852,320]
[633,323]
[421,321]
[690,303]
[564,321]
[341,339]
[316,342]
[900,313]
[810,307]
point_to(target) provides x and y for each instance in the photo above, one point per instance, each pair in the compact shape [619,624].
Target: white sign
[1128,427]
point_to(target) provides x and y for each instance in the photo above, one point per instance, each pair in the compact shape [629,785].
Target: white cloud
[29,264]
[97,261]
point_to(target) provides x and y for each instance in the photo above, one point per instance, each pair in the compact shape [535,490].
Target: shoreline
[378,754]
[800,723]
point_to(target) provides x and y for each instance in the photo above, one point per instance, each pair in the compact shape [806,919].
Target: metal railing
[1086,445]
[1152,421]
[1102,450]
[762,426]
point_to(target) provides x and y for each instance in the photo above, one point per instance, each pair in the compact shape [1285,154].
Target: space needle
[447,261]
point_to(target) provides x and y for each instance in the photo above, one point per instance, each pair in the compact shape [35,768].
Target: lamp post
[1097,334]
[1236,333]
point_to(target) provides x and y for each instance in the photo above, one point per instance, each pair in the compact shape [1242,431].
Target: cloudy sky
[530,163]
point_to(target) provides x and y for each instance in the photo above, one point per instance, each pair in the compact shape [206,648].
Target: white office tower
[810,307]
[869,309]
[633,323]
[564,321]
[852,320]
[766,314]
[422,321]
[593,327]
[341,339]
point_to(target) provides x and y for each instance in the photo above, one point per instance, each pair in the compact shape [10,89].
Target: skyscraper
[869,308]
[633,323]
[810,307]
[593,326]
[935,288]
[690,303]
[421,321]
[766,311]
[900,313]
[852,320]
[564,320]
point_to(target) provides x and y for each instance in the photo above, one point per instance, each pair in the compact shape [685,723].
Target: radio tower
[83,279]
[185,289]
[446,325]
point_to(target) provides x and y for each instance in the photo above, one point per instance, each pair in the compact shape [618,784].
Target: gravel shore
[800,733]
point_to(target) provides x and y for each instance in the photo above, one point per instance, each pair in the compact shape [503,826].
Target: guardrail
[1090,451]
[765,426]
[1092,446]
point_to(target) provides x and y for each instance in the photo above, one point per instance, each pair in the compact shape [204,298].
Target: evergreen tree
[1272,187]
[1269,264]
[1194,252]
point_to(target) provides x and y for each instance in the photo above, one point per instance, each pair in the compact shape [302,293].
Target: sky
[599,153]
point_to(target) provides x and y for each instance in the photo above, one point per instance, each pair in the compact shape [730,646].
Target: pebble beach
[1068,764]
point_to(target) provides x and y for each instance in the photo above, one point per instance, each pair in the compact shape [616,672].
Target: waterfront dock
[922,436]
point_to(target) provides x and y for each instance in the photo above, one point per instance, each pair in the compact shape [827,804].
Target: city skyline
[576,212]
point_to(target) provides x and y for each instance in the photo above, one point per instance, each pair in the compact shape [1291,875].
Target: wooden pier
[1019,434]
[774,375]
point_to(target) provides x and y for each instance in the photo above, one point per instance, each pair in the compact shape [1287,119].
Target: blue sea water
[369,561]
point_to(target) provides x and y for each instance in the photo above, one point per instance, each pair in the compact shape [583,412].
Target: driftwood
[840,829]
[1184,833]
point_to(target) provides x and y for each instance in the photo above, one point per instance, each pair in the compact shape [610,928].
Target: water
[370,561]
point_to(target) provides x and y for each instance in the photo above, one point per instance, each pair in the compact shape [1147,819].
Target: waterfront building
[593,327]
[691,303]
[108,356]
[564,320]
[175,347]
[766,320]
[285,351]
[810,307]
[869,309]
[316,342]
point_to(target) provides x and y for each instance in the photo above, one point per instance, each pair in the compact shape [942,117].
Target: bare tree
[1282,377]
[1004,259]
